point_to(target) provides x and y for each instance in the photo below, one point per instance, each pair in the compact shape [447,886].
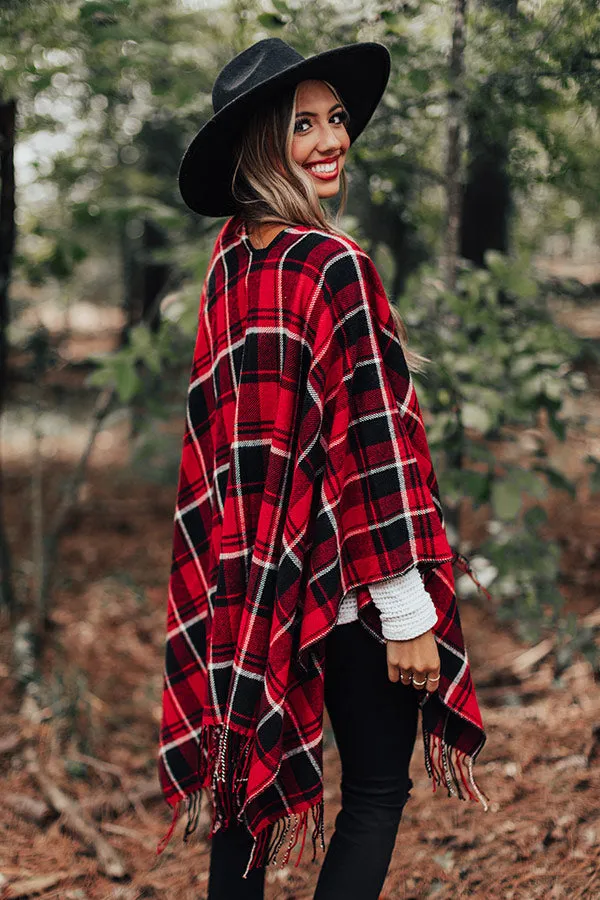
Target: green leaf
[557,479]
[496,262]
[78,253]
[101,377]
[153,360]
[127,380]
[506,500]
[400,48]
[60,264]
[270,20]
[140,341]
[420,80]
[558,427]
[475,485]
[476,417]
[534,517]
[91,9]
[522,365]
[528,481]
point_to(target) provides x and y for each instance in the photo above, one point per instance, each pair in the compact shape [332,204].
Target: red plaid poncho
[305,472]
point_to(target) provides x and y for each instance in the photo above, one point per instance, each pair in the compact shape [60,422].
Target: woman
[310,561]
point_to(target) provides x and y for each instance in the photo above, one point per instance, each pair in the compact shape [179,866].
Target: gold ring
[419,683]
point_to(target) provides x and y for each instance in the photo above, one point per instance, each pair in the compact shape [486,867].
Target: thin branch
[76,821]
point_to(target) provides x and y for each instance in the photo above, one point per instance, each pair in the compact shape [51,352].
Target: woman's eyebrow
[305,113]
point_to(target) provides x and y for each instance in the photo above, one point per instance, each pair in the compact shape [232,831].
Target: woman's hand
[418,657]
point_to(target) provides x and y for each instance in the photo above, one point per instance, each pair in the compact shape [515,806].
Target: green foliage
[533,77]
[497,352]
[150,375]
[116,107]
[130,369]
[131,102]
[499,362]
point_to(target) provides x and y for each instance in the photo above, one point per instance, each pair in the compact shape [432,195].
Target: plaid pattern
[305,473]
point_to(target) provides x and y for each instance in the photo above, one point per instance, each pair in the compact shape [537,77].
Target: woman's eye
[300,122]
[342,115]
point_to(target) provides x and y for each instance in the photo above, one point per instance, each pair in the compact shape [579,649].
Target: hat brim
[359,72]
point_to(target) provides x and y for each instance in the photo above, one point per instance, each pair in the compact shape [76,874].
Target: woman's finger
[392,672]
[433,680]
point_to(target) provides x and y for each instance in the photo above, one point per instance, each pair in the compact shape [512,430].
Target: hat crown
[250,68]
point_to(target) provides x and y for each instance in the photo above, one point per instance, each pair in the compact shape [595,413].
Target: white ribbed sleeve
[405,607]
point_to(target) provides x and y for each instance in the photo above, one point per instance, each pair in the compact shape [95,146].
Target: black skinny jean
[374,722]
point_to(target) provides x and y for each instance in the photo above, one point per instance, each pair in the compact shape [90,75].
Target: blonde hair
[269,186]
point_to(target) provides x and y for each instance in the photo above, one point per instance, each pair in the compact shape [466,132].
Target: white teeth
[326,168]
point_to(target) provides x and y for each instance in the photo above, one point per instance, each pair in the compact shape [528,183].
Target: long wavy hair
[269,186]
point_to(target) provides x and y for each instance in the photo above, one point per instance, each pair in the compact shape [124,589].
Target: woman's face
[320,141]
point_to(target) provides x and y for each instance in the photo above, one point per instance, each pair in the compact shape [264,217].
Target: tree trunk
[144,278]
[454,182]
[7,224]
[385,224]
[7,240]
[155,273]
[453,174]
[487,197]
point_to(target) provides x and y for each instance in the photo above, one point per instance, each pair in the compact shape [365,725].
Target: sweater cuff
[405,606]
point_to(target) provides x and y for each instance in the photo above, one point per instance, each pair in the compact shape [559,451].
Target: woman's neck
[261,235]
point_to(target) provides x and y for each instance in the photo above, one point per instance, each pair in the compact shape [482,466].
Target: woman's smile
[325,170]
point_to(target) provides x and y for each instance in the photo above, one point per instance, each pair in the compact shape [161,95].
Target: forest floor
[96,740]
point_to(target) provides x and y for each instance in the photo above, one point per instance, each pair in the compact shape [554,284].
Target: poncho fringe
[224,761]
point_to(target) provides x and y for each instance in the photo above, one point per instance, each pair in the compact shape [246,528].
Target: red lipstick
[325,175]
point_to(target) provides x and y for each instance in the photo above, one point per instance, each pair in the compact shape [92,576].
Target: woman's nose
[329,140]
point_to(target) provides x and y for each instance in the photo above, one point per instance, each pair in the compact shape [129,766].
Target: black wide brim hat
[359,72]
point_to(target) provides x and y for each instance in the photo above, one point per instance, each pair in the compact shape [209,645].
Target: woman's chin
[328,189]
